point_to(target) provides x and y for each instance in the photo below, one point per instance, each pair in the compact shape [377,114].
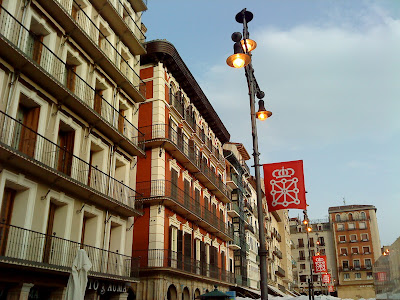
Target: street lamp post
[311,280]
[242,58]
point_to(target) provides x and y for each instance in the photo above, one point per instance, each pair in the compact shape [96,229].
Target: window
[302,266]
[312,252]
[321,241]
[354,250]
[345,264]
[356,264]
[364,237]
[369,275]
[346,276]
[343,251]
[322,251]
[340,227]
[303,278]
[358,276]
[319,227]
[298,229]
[342,238]
[351,226]
[368,263]
[363,216]
[337,218]
[350,217]
[353,238]
[301,255]
[362,225]
[301,243]
[311,242]
[366,250]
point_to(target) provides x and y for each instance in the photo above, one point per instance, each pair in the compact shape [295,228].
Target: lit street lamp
[242,58]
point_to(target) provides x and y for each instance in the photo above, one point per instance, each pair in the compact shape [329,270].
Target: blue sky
[331,74]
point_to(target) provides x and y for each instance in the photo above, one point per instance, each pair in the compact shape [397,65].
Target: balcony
[351,220]
[56,77]
[235,244]
[154,191]
[280,272]
[81,28]
[233,210]
[249,228]
[26,150]
[36,250]
[232,181]
[300,246]
[278,253]
[122,23]
[167,137]
[176,262]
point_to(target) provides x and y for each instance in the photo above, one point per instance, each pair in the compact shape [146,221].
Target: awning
[246,292]
[277,291]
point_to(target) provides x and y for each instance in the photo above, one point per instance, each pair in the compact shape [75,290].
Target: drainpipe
[24,9]
[11,90]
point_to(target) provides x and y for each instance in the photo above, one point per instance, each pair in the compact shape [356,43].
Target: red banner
[326,278]
[331,289]
[320,264]
[284,185]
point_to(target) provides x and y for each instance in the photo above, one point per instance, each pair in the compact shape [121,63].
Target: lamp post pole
[242,58]
[311,280]
[262,251]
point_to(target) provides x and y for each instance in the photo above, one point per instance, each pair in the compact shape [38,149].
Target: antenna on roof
[344,201]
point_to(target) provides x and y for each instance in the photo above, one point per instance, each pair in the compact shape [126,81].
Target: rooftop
[346,208]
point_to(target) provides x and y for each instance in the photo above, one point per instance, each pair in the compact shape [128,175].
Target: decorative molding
[174,165]
[186,228]
[206,193]
[186,176]
[214,200]
[198,235]
[215,243]
[223,248]
[207,239]
[196,184]
[173,221]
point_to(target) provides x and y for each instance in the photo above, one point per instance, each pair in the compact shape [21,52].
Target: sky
[331,74]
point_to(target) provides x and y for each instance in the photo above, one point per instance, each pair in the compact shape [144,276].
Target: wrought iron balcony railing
[165,258]
[166,189]
[89,33]
[18,137]
[280,272]
[166,132]
[25,247]
[66,76]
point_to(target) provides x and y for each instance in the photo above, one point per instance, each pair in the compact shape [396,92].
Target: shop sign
[103,287]
[331,289]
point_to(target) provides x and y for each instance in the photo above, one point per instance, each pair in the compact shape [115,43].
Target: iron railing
[234,206]
[98,38]
[166,258]
[354,219]
[65,75]
[177,104]
[167,189]
[280,272]
[121,9]
[236,241]
[165,131]
[31,248]
[34,146]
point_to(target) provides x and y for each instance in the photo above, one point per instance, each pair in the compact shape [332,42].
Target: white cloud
[324,85]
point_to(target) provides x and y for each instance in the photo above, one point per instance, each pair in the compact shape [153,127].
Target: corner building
[182,238]
[357,243]
[70,88]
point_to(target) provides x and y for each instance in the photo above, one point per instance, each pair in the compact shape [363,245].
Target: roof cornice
[163,51]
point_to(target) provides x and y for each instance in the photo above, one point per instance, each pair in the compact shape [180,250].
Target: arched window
[350,217]
[363,215]
[337,218]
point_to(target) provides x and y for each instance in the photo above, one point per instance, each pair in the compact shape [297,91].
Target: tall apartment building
[357,244]
[69,141]
[320,241]
[183,237]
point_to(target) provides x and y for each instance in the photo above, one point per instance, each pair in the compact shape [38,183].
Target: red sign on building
[326,278]
[320,264]
[381,276]
[284,185]
[331,289]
